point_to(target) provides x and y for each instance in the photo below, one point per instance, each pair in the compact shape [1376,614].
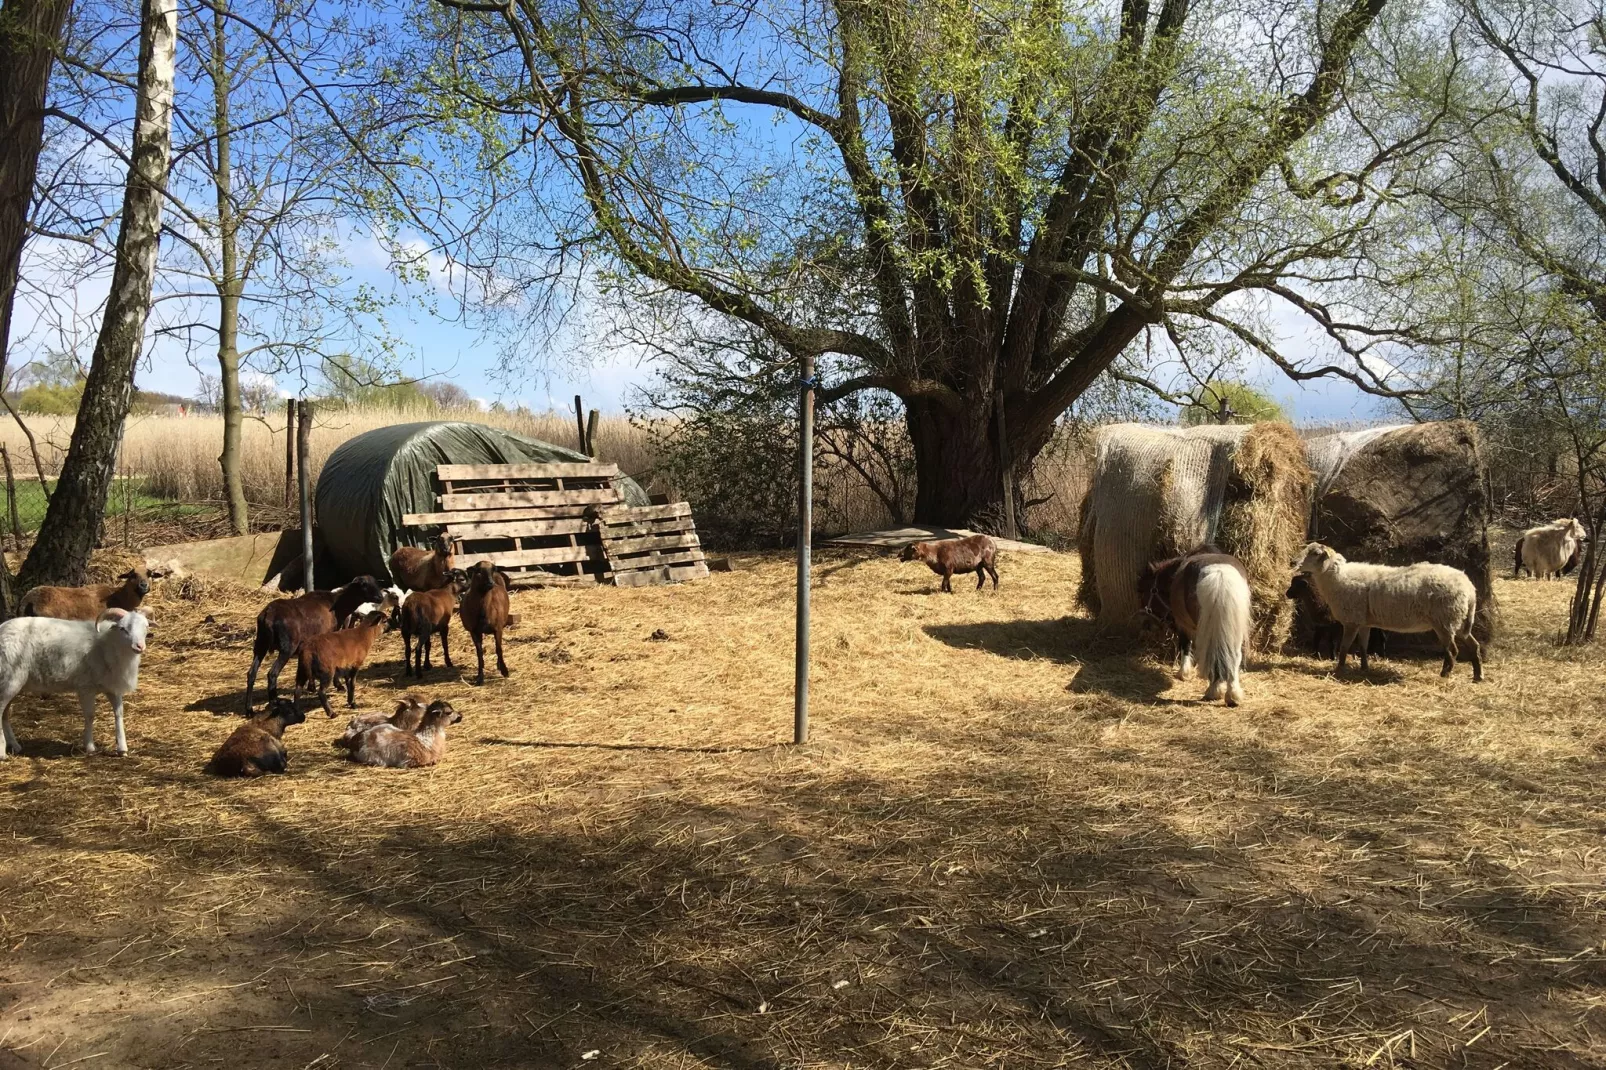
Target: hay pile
[1398,495]
[1159,491]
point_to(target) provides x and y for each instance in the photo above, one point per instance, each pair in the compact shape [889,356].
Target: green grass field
[129,494]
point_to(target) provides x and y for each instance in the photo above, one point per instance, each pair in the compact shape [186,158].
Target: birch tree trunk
[73,520]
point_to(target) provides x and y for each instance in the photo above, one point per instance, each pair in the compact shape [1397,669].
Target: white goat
[46,656]
[1546,550]
[1409,598]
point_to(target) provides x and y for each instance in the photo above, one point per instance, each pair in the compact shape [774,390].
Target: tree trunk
[957,480]
[30,31]
[61,554]
[230,284]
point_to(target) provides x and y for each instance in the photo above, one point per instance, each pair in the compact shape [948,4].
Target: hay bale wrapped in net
[1159,491]
[1399,495]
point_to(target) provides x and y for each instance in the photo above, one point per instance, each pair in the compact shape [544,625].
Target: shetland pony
[1204,597]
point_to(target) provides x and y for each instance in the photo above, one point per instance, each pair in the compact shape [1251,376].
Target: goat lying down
[1410,598]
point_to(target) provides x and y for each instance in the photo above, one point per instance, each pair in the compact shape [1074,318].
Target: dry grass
[1009,845]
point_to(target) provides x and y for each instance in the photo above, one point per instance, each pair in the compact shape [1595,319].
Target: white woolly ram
[1409,598]
[1546,551]
[47,656]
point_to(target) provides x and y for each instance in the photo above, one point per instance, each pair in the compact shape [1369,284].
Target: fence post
[591,433]
[805,536]
[1010,531]
[11,500]
[289,448]
[304,480]
[580,425]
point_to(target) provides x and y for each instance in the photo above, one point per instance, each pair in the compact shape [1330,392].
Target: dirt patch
[1013,843]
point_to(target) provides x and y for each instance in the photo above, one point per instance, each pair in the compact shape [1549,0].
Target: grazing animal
[422,570]
[1550,550]
[400,748]
[49,656]
[409,715]
[1326,630]
[950,557]
[425,614]
[485,609]
[257,747]
[334,657]
[1409,598]
[87,603]
[1204,597]
[285,623]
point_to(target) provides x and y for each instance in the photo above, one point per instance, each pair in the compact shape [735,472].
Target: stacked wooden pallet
[651,544]
[561,524]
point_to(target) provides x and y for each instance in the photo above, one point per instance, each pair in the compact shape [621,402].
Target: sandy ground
[1012,843]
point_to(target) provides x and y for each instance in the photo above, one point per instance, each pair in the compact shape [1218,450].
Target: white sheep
[1410,598]
[46,656]
[1546,551]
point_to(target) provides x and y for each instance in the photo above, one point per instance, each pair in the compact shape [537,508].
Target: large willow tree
[976,207]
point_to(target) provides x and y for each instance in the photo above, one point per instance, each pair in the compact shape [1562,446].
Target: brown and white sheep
[485,610]
[422,570]
[87,603]
[408,716]
[336,656]
[950,557]
[393,747]
[257,747]
[285,623]
[425,614]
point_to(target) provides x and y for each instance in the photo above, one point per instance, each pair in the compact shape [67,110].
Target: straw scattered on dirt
[1010,845]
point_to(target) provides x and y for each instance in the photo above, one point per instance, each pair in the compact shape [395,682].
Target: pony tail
[1223,628]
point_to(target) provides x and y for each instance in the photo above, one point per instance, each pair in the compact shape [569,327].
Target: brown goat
[485,609]
[408,716]
[335,656]
[257,746]
[284,623]
[956,556]
[422,570]
[87,603]
[399,748]
[426,614]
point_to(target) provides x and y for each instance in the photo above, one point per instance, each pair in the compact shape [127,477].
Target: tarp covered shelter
[370,482]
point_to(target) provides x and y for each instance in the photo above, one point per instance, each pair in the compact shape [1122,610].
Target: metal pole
[580,422]
[304,479]
[289,448]
[805,536]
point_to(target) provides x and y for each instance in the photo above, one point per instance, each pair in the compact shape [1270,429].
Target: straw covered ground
[1010,845]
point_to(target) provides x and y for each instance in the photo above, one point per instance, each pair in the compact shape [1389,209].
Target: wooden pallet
[530,520]
[652,544]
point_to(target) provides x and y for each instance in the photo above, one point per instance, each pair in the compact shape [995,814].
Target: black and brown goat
[426,614]
[951,557]
[257,747]
[485,610]
[284,624]
[422,570]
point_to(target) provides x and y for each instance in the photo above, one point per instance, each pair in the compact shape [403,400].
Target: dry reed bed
[1012,844]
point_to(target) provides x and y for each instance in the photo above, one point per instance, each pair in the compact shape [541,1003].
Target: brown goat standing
[485,609]
[285,623]
[257,746]
[422,570]
[951,557]
[87,603]
[398,748]
[426,614]
[336,656]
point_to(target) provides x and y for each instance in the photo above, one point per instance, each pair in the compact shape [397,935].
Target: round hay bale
[1159,491]
[1400,495]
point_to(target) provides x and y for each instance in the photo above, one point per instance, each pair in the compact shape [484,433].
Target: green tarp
[370,482]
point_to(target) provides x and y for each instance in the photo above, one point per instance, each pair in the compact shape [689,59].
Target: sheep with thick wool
[49,656]
[1546,551]
[1397,598]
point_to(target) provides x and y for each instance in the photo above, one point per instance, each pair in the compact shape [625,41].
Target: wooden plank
[533,512]
[508,499]
[650,527]
[680,540]
[552,555]
[626,564]
[538,578]
[631,514]
[575,470]
[649,577]
[513,529]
